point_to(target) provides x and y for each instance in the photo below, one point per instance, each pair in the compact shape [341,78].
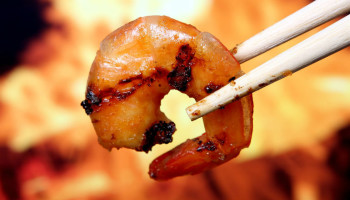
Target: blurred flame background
[48,149]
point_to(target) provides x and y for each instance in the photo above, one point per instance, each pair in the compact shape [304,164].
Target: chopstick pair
[322,44]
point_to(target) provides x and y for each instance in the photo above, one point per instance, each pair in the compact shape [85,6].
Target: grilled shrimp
[136,66]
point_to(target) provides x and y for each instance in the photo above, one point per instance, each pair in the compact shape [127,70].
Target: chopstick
[324,43]
[303,20]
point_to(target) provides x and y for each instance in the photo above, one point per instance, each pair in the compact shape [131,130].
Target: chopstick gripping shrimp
[136,66]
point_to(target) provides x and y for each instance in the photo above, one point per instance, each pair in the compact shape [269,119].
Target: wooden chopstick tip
[192,114]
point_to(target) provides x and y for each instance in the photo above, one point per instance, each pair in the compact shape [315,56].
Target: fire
[49,149]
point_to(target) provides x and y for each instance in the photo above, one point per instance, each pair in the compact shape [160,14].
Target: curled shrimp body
[136,66]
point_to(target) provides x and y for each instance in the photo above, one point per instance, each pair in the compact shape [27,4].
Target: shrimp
[136,66]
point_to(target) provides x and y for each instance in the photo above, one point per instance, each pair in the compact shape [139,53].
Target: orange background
[49,149]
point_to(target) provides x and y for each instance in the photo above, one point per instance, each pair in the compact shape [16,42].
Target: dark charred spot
[185,54]
[221,138]
[211,87]
[87,107]
[93,99]
[160,72]
[112,137]
[232,79]
[210,146]
[121,95]
[159,133]
[197,140]
[128,80]
[181,75]
[221,142]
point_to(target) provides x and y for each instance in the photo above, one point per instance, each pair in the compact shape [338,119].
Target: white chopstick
[303,20]
[318,46]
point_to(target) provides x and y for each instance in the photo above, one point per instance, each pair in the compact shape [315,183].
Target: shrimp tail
[191,157]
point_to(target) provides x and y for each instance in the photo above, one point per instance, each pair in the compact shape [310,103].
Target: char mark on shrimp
[211,87]
[232,79]
[128,80]
[210,146]
[87,107]
[159,133]
[221,138]
[181,75]
[94,100]
[90,95]
[91,99]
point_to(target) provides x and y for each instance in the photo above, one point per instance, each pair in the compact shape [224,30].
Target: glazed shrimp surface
[136,66]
